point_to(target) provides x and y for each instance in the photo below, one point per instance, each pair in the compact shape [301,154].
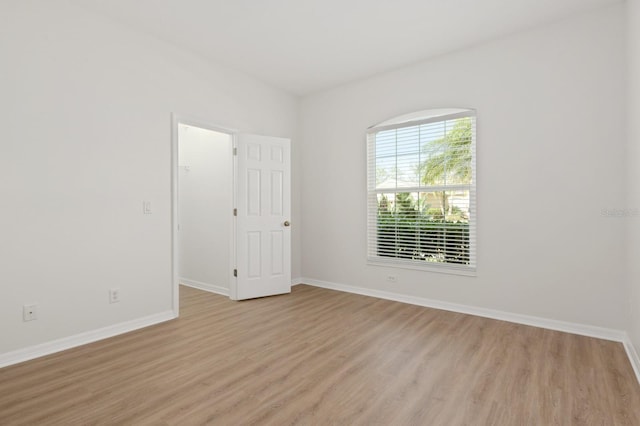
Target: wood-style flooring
[322,357]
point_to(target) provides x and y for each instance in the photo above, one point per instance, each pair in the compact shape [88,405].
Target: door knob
[286,223]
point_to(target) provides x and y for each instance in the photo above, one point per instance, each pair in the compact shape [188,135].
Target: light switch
[146,207]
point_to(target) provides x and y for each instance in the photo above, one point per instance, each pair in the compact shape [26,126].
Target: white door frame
[176,120]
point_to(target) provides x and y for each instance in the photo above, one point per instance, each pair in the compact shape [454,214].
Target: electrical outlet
[29,312]
[392,278]
[114,295]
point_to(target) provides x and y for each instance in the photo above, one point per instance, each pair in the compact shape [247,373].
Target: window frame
[413,120]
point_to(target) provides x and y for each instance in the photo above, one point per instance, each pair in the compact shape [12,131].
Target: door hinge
[235,212]
[235,151]
[235,272]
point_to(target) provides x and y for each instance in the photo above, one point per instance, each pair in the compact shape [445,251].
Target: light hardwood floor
[321,357]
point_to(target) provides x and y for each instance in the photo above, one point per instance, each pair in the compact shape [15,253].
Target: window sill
[438,268]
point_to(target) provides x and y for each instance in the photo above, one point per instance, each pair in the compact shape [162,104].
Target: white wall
[550,129]
[205,204]
[633,165]
[85,110]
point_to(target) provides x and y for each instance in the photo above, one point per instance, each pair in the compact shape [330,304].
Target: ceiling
[303,46]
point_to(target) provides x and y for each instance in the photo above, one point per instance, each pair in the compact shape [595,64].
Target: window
[421,191]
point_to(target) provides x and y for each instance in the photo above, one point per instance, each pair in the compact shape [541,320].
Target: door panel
[276,193]
[264,207]
[277,253]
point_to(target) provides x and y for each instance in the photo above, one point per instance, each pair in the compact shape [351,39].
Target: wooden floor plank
[318,356]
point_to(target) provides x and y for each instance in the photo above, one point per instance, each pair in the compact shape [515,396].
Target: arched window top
[422,117]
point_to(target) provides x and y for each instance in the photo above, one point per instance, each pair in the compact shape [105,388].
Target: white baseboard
[211,288]
[296,281]
[48,348]
[633,356]
[569,327]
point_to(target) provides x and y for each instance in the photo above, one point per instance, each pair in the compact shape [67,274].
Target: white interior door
[263,229]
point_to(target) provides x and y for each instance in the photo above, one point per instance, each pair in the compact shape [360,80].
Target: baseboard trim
[211,288]
[633,356]
[296,281]
[58,345]
[568,327]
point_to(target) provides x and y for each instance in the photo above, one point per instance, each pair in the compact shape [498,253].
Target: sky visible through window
[421,157]
[400,153]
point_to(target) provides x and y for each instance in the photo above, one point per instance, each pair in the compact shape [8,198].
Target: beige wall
[550,126]
[86,136]
[633,180]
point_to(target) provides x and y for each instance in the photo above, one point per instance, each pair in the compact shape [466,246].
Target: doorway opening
[203,208]
[231,207]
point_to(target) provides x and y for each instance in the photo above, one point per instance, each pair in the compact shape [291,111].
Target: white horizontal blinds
[421,192]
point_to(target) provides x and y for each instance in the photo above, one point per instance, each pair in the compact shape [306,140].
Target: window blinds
[421,192]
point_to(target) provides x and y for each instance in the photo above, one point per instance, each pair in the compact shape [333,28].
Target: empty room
[320,212]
